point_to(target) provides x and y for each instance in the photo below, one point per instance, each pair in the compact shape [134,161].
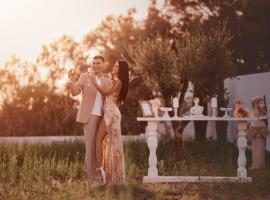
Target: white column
[211,131]
[267,97]
[242,145]
[152,145]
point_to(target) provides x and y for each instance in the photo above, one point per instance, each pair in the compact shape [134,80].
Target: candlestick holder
[175,112]
[166,111]
[214,112]
[226,110]
[175,103]
[214,106]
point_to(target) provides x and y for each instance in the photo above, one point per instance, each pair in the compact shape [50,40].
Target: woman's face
[115,70]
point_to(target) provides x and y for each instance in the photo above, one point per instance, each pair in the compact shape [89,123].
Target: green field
[40,171]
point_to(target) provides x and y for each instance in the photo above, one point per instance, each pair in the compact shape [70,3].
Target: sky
[28,24]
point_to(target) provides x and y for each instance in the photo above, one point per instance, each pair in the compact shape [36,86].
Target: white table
[153,177]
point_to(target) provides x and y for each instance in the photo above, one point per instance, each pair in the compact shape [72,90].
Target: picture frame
[146,108]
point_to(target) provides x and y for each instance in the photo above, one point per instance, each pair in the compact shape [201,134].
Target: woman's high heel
[103,174]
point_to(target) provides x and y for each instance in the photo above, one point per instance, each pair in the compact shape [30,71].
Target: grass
[39,171]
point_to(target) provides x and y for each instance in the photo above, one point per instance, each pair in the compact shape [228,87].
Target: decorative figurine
[258,104]
[240,111]
[214,106]
[257,133]
[196,109]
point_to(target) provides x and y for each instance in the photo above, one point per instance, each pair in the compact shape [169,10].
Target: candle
[176,102]
[214,102]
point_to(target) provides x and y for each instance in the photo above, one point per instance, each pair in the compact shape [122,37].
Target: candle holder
[175,105]
[166,110]
[214,112]
[175,112]
[226,110]
[214,106]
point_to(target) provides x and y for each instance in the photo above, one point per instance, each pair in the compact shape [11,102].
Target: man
[90,110]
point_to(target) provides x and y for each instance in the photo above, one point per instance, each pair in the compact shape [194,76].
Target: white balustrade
[153,177]
[242,145]
[152,145]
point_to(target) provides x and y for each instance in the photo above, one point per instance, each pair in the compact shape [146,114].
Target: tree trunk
[179,126]
[221,126]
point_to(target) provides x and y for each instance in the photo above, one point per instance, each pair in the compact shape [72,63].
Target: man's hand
[72,75]
[92,77]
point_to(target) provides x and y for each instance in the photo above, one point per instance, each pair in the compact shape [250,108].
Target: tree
[247,21]
[202,58]
[32,103]
[207,61]
[36,110]
[155,61]
[111,36]
[60,56]
[14,74]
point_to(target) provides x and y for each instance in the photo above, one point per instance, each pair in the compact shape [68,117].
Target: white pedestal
[152,145]
[242,145]
[211,132]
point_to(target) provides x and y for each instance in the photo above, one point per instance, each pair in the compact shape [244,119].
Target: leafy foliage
[206,60]
[156,63]
[202,58]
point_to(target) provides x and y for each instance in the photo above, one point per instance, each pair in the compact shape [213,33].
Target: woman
[110,127]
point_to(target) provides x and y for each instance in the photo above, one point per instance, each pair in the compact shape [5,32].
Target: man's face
[97,66]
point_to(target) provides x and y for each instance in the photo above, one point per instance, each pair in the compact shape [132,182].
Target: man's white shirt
[97,108]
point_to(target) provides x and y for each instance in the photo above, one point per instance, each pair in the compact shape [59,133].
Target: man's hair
[99,57]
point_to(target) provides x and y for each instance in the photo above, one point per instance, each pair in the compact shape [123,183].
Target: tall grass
[55,171]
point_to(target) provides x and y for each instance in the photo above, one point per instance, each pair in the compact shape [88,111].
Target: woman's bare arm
[103,91]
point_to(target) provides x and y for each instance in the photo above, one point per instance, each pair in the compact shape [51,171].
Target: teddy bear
[240,111]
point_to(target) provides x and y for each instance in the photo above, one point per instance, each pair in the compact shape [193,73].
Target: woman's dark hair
[124,77]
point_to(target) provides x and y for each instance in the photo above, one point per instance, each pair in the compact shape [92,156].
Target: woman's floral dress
[113,154]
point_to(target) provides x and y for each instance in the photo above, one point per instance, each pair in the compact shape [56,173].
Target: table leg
[242,145]
[152,145]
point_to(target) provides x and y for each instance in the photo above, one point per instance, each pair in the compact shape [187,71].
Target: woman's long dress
[113,153]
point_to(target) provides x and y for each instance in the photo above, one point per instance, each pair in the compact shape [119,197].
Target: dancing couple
[101,118]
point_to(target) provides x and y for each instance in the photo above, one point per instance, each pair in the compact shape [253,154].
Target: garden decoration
[166,111]
[196,110]
[175,105]
[257,132]
[226,110]
[240,111]
[214,106]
